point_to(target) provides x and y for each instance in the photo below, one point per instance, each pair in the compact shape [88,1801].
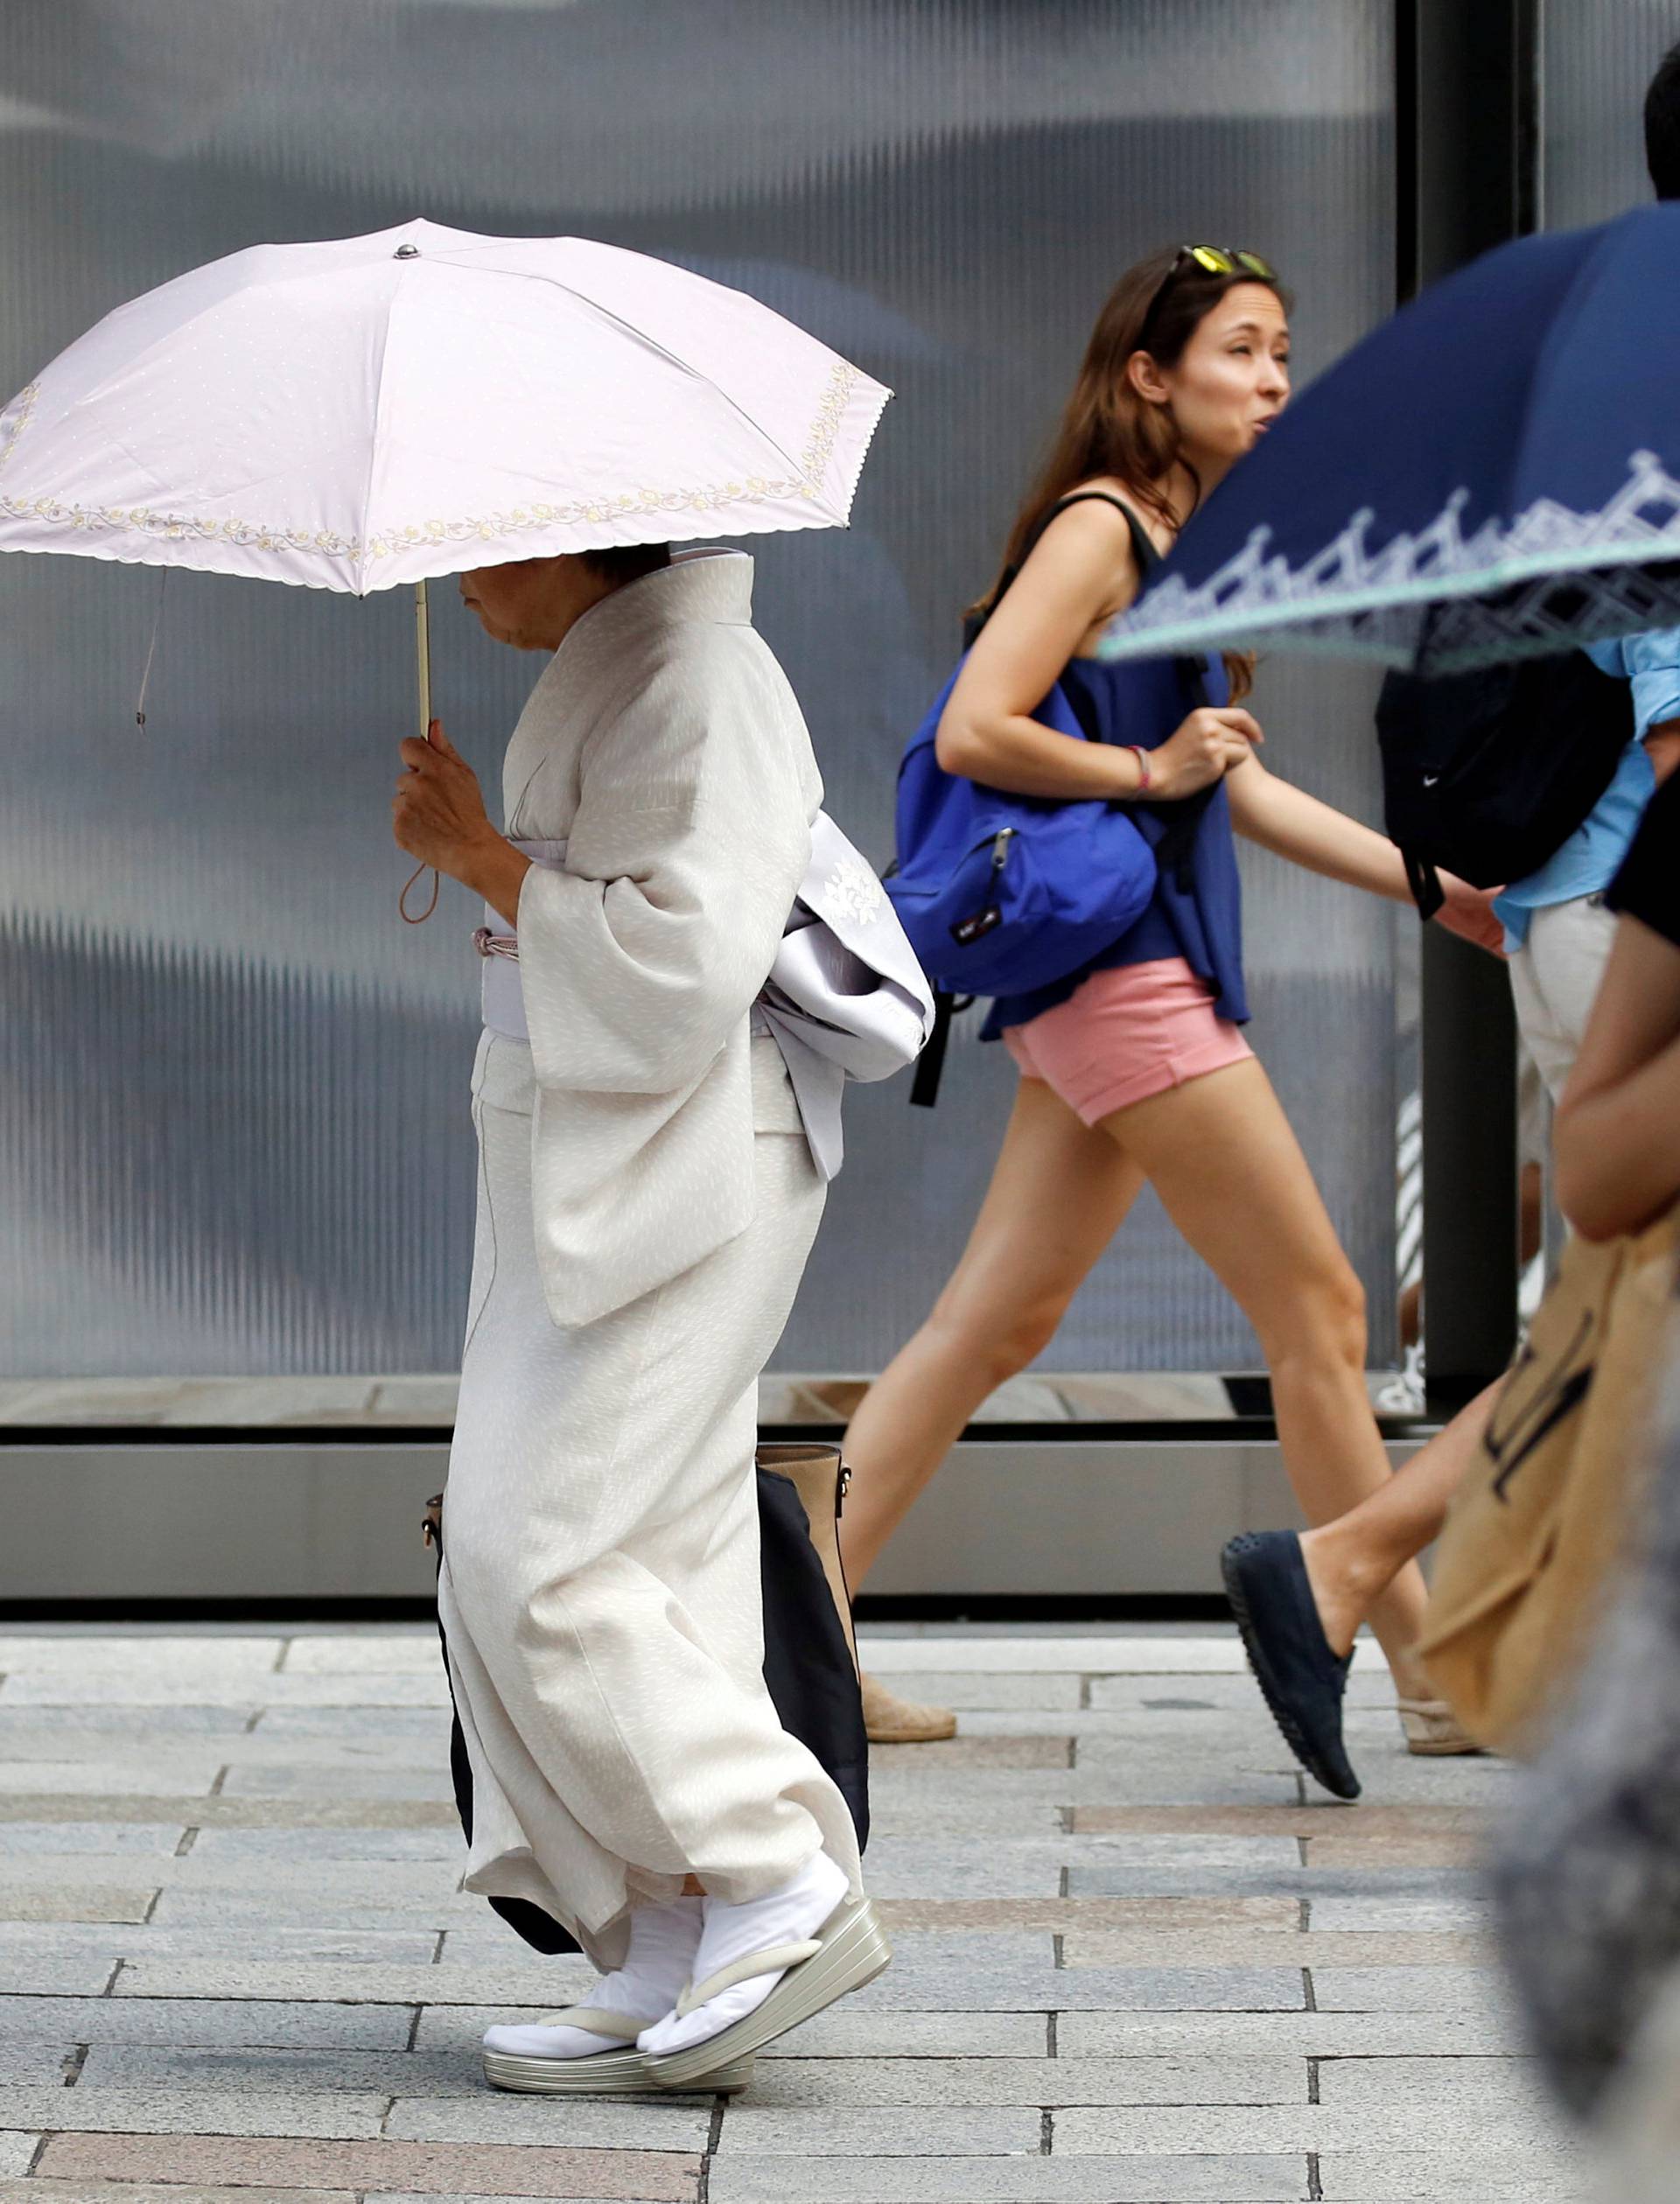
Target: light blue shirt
[1588,863]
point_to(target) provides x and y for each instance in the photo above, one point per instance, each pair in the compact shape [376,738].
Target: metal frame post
[1467,147]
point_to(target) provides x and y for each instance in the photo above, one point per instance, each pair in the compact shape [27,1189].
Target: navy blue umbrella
[1495,471]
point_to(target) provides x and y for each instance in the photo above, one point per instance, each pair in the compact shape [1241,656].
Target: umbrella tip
[406,252]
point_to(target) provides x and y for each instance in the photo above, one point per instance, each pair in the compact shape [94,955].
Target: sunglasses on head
[1212,260]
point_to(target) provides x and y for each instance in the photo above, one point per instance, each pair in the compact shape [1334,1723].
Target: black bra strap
[1144,551]
[1146,554]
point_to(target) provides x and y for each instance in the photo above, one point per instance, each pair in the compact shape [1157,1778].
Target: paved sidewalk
[1136,1964]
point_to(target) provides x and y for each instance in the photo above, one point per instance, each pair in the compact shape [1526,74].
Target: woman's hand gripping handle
[1202,749]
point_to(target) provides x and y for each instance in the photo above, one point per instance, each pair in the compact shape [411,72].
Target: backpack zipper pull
[1000,848]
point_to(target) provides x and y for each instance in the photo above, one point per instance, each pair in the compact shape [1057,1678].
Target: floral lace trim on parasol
[1440,599]
[486,527]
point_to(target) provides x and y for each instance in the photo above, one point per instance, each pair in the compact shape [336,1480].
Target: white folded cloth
[846,998]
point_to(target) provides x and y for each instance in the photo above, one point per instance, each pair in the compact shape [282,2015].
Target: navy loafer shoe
[1293,1663]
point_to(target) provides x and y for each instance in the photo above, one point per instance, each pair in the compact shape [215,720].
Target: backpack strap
[930,1065]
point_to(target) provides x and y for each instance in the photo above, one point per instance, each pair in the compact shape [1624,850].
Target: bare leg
[1351,1561]
[1221,1154]
[1058,1194]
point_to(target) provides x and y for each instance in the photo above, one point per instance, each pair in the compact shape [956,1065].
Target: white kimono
[647,1201]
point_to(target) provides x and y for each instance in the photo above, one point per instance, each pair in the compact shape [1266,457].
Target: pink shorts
[1127,1034]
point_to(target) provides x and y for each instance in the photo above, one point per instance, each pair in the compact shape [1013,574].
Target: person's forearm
[1618,1160]
[1292,824]
[1027,759]
[1662,748]
[493,868]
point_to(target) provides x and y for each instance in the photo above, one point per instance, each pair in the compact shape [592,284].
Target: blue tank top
[1196,911]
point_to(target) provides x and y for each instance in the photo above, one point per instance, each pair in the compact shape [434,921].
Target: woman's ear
[1145,379]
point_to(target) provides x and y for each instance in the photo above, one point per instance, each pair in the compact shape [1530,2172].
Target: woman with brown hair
[1135,1066]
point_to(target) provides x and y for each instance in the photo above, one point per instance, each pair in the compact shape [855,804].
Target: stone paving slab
[1455,2088]
[206,2064]
[241,1691]
[1173,1782]
[98,1718]
[843,2131]
[495,2117]
[193,2112]
[419,1920]
[382,1652]
[1248,2179]
[1160,1653]
[1368,1690]
[905,1813]
[17,2153]
[51,1975]
[289,1847]
[206,2021]
[45,2190]
[1317,1816]
[1455,2175]
[964,1693]
[520,1982]
[1144,1850]
[208,1812]
[1236,1946]
[977,1987]
[187,1659]
[887,2082]
[1299,2035]
[107,1942]
[351,1724]
[1407,1989]
[1116,1869]
[80,1902]
[213,2161]
[307,1779]
[1178,2130]
[208,1872]
[1053,1749]
[24,1845]
[1089,1916]
[187,1773]
[34,2059]
[400,2196]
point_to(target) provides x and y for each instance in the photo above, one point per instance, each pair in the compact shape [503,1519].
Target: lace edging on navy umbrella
[1438,599]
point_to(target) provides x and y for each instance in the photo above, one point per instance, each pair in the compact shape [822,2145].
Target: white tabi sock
[664,1940]
[790,1915]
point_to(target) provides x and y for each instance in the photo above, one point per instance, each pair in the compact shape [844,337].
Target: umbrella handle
[423,658]
[423,675]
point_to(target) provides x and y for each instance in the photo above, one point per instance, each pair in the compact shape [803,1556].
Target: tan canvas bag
[1527,1555]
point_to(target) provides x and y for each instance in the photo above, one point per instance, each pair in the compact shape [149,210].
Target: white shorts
[1554,978]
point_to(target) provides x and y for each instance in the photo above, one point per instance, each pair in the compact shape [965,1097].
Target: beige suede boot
[890,1720]
[1433,1729]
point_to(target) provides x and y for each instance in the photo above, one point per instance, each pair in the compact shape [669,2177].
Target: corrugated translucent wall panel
[1596,57]
[235,1134]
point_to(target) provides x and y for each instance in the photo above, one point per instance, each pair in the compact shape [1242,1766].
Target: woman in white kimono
[647,1202]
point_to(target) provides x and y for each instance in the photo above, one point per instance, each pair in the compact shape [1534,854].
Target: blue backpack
[1000,893]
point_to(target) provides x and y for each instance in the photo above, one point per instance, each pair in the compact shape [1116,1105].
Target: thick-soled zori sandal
[514,2060]
[849,1949]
